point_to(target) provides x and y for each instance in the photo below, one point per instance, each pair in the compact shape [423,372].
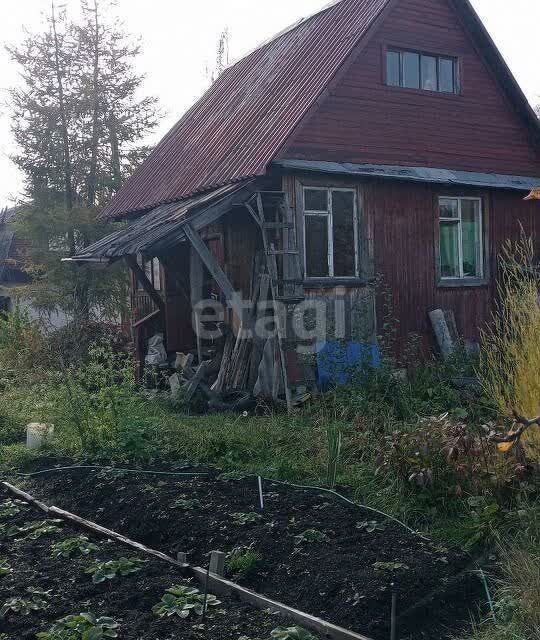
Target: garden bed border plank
[92,526]
[222,586]
[214,582]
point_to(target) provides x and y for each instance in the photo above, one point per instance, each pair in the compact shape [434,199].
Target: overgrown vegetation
[413,445]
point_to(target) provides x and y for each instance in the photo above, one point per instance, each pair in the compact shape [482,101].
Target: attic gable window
[414,70]
[330,233]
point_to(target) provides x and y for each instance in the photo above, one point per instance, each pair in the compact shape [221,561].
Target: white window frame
[330,220]
[459,223]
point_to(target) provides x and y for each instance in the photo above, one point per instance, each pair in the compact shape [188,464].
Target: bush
[21,341]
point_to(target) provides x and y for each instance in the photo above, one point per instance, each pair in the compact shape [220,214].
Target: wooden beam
[231,296]
[221,586]
[141,277]
[146,319]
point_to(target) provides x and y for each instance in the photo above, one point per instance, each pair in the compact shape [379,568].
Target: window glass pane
[449,208]
[156,274]
[316,246]
[411,70]
[392,68]
[447,75]
[316,199]
[343,229]
[449,250]
[471,240]
[429,73]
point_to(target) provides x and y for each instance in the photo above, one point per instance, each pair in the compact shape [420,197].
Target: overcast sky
[179,38]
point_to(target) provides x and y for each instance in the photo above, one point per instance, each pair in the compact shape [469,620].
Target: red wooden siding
[364,121]
[405,225]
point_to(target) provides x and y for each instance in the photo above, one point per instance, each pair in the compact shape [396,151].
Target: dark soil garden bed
[127,599]
[345,572]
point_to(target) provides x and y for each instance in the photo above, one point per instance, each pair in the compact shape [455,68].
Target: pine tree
[79,124]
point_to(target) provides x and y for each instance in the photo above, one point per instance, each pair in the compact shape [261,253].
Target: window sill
[461,283]
[331,283]
[426,92]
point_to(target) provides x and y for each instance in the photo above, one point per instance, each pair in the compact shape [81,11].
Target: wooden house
[376,139]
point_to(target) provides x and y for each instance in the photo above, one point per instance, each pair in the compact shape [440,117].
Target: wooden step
[282,252]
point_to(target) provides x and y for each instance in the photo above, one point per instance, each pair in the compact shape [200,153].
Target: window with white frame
[461,242]
[330,233]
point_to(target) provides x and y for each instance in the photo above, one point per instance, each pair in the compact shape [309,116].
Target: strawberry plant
[5,569]
[292,633]
[101,571]
[370,526]
[187,504]
[73,546]
[246,518]
[84,626]
[311,535]
[182,601]
[35,601]
[9,508]
[34,530]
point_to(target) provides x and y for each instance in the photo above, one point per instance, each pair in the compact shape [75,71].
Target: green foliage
[9,507]
[292,633]
[5,569]
[187,504]
[70,547]
[34,530]
[181,601]
[243,519]
[243,560]
[21,340]
[309,536]
[101,571]
[25,605]
[84,626]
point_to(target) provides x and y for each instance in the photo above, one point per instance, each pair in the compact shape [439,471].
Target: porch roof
[415,174]
[162,228]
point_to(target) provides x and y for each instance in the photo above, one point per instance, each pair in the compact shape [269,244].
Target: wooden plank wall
[405,225]
[364,121]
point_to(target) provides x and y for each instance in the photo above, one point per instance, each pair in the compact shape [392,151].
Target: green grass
[99,415]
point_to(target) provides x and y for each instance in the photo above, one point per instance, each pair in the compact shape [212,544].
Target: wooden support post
[217,563]
[231,296]
[196,291]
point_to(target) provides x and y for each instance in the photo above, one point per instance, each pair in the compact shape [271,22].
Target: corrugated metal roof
[415,174]
[238,126]
[159,229]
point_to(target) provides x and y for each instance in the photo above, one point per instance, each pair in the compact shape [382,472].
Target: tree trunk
[92,177]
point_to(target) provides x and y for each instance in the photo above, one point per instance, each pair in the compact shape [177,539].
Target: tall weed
[510,350]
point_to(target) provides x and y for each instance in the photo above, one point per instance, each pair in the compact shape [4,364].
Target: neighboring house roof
[239,126]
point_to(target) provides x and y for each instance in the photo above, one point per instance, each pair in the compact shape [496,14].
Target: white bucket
[36,434]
